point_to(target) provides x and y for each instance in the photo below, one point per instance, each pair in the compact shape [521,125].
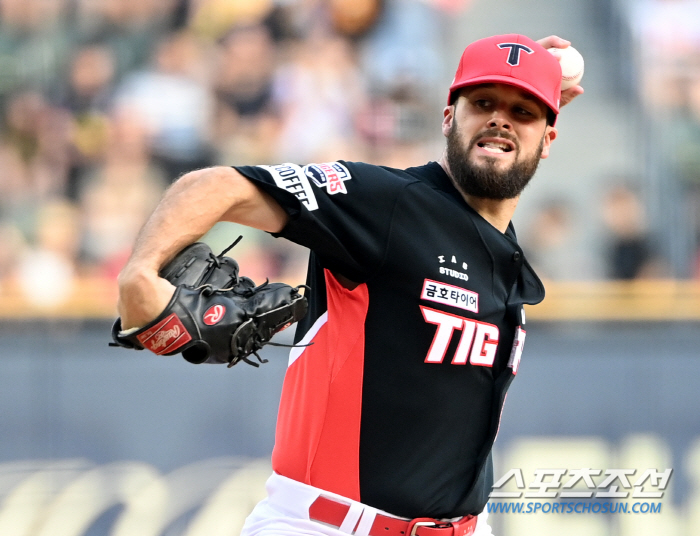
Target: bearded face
[486,178]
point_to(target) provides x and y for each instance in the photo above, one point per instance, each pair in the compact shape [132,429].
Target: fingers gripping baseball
[572,66]
[554,41]
[214,315]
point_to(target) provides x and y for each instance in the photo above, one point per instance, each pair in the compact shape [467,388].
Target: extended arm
[189,208]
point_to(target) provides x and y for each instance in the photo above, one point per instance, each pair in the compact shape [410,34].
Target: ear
[448,119]
[550,134]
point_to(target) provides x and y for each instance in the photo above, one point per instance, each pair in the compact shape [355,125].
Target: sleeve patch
[291,177]
[330,175]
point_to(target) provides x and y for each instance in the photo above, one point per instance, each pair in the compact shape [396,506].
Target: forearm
[189,209]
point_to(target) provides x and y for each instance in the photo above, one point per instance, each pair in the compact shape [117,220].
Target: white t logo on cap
[515,49]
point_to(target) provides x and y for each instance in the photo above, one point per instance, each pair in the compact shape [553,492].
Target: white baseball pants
[285,512]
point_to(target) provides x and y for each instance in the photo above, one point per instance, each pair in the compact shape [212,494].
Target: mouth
[496,145]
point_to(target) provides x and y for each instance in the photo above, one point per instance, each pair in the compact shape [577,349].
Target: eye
[524,112]
[483,103]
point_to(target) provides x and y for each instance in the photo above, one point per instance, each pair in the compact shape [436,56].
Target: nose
[500,120]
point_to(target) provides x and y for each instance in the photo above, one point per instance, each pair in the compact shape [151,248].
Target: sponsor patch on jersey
[292,178]
[330,175]
[166,336]
[450,295]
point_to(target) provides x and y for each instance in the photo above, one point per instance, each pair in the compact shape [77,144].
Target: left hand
[554,41]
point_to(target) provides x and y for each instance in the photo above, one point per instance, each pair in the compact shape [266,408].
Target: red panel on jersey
[324,384]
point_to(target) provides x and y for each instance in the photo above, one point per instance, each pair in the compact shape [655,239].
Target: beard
[487,181]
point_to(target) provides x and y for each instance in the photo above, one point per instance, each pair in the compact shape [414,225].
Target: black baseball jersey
[397,402]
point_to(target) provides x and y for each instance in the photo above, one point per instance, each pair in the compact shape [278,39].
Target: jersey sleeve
[340,210]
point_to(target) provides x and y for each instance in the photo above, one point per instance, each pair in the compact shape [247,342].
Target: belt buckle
[421,524]
[415,524]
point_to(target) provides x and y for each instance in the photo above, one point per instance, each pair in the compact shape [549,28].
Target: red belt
[333,512]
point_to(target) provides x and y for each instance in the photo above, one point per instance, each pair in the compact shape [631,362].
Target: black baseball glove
[215,316]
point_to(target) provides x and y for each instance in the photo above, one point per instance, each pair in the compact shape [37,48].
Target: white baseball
[571,63]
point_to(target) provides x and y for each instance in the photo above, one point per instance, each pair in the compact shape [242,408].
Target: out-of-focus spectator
[214,18]
[91,76]
[31,14]
[668,34]
[404,48]
[34,44]
[12,245]
[400,57]
[24,113]
[47,268]
[117,197]
[395,127]
[244,78]
[16,194]
[131,28]
[319,92]
[36,135]
[667,46]
[552,246]
[88,97]
[176,103]
[245,122]
[630,253]
[354,18]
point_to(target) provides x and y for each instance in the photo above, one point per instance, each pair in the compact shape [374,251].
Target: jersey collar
[529,288]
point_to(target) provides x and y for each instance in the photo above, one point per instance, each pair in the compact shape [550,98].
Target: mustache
[494,133]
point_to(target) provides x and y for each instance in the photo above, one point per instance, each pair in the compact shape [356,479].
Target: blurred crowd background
[103,103]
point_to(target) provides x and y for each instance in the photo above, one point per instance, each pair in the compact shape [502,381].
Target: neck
[497,212]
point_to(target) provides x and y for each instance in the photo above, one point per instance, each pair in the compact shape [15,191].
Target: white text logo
[478,342]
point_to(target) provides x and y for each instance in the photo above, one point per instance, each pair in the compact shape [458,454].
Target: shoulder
[384,175]
[363,168]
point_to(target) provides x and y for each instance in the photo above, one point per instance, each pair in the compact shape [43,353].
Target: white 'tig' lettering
[479,337]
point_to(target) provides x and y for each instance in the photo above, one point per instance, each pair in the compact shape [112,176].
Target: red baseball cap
[511,59]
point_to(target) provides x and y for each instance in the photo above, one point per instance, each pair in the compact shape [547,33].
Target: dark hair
[551,117]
